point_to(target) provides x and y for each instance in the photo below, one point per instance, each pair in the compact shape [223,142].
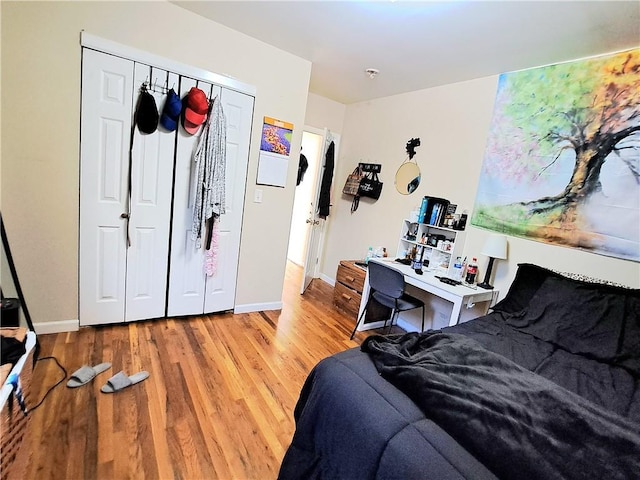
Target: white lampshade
[495,246]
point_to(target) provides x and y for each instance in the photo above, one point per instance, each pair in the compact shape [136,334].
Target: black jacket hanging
[303,164]
[324,200]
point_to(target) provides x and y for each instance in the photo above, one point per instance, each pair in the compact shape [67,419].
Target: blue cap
[171,111]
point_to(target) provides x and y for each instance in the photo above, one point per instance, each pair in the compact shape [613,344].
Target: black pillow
[598,321]
[526,283]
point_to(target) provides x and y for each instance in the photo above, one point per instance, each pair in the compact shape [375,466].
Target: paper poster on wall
[275,147]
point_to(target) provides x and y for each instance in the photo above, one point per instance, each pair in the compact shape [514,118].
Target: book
[423,209]
[434,214]
[433,210]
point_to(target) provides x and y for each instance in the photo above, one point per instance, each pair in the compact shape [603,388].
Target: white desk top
[428,282]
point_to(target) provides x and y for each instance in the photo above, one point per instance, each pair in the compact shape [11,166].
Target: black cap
[147,113]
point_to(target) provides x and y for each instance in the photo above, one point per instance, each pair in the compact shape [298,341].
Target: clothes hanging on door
[324,200]
[303,164]
[210,160]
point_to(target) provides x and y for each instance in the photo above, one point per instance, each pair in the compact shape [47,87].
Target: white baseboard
[327,279]
[42,328]
[257,307]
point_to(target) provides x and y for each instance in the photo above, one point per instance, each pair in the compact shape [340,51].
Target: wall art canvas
[562,162]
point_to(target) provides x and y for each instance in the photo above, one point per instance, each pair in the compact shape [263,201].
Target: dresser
[347,293]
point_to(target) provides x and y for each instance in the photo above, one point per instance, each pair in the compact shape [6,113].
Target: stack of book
[433,210]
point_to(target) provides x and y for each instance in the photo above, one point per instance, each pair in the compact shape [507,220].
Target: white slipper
[85,374]
[121,381]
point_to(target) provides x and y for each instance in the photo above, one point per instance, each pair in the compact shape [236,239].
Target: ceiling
[422,44]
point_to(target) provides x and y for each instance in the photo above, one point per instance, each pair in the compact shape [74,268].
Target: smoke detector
[372,72]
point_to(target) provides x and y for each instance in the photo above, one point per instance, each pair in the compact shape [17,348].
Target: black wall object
[14,276]
[411,147]
[370,167]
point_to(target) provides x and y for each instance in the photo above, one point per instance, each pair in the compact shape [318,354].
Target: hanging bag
[353,182]
[370,186]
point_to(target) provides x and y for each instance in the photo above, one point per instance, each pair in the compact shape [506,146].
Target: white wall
[452,122]
[324,113]
[40,114]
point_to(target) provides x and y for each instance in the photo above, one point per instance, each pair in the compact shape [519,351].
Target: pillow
[526,283]
[530,277]
[598,321]
[586,278]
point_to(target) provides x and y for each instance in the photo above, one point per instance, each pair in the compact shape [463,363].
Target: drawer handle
[351,279]
[345,296]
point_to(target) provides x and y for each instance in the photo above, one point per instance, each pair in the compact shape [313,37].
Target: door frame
[91,42]
[327,137]
[119,50]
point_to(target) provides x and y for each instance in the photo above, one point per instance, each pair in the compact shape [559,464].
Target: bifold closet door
[121,282]
[220,291]
[107,87]
[151,186]
[186,265]
[191,292]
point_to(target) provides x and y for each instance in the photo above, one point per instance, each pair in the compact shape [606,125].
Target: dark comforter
[552,385]
[534,427]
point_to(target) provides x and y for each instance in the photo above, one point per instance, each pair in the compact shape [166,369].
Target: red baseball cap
[195,111]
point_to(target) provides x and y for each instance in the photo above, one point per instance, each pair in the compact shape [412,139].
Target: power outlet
[257,196]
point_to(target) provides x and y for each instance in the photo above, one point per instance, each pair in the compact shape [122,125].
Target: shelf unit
[440,258]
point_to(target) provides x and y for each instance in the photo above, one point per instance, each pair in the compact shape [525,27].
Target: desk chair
[387,287]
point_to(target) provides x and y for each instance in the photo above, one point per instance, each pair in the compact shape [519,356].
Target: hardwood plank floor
[218,403]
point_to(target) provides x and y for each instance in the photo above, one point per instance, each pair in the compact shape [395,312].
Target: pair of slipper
[118,382]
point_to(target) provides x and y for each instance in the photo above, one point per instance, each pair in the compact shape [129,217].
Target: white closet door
[186,265]
[151,183]
[221,287]
[107,85]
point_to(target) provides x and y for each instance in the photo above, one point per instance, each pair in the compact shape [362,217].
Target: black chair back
[386,280]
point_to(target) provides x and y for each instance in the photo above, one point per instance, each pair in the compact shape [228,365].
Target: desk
[458,295]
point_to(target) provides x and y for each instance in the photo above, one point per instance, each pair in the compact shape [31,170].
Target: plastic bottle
[457,269]
[472,271]
[369,255]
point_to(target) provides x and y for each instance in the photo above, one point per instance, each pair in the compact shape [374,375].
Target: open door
[315,223]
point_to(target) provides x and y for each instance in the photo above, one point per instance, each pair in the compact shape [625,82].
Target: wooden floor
[218,403]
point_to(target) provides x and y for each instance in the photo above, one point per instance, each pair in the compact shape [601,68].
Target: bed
[544,386]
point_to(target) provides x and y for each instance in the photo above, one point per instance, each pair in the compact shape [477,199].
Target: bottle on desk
[458,270]
[472,271]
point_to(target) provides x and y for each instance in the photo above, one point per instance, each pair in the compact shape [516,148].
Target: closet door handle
[124,215]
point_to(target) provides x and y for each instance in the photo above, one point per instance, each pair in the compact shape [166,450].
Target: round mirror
[407,178]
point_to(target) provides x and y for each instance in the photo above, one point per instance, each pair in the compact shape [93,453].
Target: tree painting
[562,162]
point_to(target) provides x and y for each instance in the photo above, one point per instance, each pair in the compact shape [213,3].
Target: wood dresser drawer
[347,293]
[347,299]
[350,275]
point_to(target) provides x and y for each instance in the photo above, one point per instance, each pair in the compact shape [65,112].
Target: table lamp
[494,247]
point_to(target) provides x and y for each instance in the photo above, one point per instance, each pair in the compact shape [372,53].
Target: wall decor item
[408,175]
[562,162]
[275,146]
